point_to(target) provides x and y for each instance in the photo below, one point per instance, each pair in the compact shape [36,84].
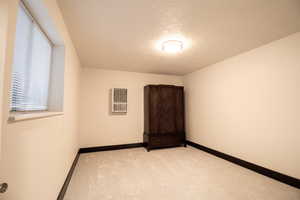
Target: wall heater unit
[119,100]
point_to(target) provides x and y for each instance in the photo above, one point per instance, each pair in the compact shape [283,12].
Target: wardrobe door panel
[154,109]
[179,96]
[146,109]
[167,110]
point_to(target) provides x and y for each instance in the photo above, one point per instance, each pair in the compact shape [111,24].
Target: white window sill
[15,117]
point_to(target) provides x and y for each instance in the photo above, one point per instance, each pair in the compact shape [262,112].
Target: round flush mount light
[172,46]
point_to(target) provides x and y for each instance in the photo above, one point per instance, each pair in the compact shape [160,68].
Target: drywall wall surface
[37,154]
[3,32]
[248,106]
[98,126]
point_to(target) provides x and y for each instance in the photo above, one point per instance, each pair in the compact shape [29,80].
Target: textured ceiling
[126,34]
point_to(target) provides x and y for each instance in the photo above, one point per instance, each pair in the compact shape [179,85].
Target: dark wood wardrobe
[163,116]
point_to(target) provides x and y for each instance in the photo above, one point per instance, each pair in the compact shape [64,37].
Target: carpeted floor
[169,174]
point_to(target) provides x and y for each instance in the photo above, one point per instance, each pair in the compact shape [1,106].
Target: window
[31,65]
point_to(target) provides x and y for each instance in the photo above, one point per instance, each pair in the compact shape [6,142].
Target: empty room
[149,100]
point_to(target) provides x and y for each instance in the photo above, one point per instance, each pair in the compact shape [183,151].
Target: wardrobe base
[166,140]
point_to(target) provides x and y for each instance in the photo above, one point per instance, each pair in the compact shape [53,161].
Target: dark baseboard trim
[89,150]
[68,179]
[110,148]
[259,169]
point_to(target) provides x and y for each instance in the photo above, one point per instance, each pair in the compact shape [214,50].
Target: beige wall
[37,154]
[248,106]
[97,126]
[3,31]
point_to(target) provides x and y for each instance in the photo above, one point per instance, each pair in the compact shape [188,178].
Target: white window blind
[31,65]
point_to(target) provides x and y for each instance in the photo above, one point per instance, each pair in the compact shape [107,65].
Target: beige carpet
[169,174]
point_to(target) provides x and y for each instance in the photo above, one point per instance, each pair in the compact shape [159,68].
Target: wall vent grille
[119,100]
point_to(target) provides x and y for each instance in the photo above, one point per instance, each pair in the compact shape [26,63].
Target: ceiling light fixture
[172,46]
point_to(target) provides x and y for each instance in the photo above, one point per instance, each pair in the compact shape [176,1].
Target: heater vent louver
[119,100]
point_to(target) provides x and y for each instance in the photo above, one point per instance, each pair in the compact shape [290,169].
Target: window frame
[35,23]
[33,19]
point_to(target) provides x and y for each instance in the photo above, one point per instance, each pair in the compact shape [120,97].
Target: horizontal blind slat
[31,66]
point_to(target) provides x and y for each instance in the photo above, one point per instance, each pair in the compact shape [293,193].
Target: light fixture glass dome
[172,46]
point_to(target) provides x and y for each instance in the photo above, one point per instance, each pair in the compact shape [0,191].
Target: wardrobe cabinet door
[179,96]
[154,109]
[167,110]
